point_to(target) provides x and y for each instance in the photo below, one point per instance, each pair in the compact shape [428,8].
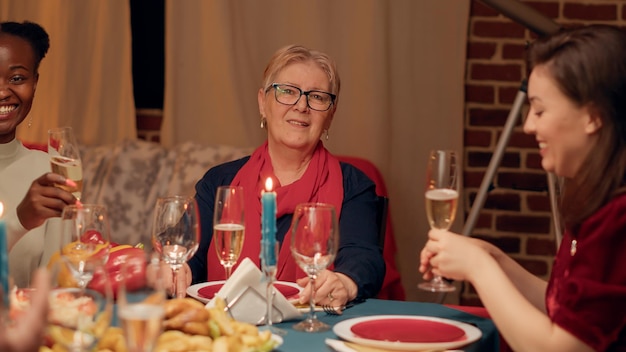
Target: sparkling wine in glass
[141,300]
[85,240]
[441,195]
[314,245]
[176,233]
[78,317]
[228,225]
[65,158]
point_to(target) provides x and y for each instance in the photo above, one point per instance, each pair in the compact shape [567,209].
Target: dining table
[316,341]
[303,341]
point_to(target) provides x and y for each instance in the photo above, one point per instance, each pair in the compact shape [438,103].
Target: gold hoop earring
[326,134]
[263,122]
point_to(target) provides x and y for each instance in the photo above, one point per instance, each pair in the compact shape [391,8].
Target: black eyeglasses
[317,100]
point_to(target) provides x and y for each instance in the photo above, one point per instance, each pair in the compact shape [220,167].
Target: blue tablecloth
[303,342]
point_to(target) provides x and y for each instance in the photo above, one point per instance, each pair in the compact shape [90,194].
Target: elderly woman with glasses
[297,102]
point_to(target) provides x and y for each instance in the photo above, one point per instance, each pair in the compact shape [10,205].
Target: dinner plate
[204,292]
[407,332]
[278,339]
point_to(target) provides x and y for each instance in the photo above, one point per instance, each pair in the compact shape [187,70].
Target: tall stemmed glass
[65,158]
[85,239]
[141,300]
[228,225]
[442,194]
[314,244]
[176,233]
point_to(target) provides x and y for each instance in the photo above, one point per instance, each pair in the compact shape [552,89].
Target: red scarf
[322,182]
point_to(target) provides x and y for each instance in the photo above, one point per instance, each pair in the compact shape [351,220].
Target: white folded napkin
[244,293]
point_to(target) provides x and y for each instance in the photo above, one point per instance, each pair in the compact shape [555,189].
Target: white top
[19,167]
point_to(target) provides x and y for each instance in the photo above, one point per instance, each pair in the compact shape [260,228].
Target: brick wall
[516,216]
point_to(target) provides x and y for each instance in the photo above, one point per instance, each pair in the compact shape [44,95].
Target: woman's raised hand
[43,200]
[451,255]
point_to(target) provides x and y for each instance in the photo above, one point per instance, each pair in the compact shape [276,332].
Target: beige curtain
[86,79]
[402,65]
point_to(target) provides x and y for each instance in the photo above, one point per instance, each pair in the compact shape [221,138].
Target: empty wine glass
[78,317]
[141,300]
[442,194]
[65,158]
[176,233]
[228,225]
[314,244]
[85,240]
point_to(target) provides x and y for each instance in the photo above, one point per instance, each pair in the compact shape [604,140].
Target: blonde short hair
[290,54]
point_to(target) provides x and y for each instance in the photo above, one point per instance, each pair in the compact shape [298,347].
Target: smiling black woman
[27,188]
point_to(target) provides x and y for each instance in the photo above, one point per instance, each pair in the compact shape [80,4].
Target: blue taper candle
[4,260]
[268,225]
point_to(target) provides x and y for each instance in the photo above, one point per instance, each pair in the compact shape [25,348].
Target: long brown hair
[589,66]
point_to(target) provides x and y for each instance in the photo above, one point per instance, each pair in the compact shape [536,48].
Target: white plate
[379,324]
[279,341]
[196,290]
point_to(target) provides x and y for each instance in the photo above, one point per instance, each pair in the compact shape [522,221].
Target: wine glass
[65,158]
[78,317]
[442,194]
[85,240]
[228,225]
[314,242]
[176,233]
[141,300]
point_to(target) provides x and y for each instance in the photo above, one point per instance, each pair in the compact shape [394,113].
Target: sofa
[129,176]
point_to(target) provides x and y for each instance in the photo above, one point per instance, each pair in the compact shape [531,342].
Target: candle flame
[1,208]
[268,184]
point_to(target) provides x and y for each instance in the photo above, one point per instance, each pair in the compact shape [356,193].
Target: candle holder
[4,266]
[269,277]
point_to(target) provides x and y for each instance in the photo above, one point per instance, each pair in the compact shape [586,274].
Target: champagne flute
[85,240]
[314,245]
[442,194]
[228,225]
[176,233]
[65,158]
[141,300]
[78,317]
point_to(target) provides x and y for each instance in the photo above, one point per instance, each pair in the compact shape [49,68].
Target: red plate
[408,331]
[209,291]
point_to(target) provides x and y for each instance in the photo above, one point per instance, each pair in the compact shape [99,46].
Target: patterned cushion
[128,178]
[193,160]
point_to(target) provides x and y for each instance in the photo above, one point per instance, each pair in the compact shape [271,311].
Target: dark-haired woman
[26,186]
[577,94]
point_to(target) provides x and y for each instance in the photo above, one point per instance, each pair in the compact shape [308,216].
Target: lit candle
[4,260]
[268,225]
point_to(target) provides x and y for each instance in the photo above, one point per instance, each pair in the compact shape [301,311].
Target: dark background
[148,44]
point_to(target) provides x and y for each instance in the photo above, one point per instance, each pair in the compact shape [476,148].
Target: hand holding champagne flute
[228,225]
[442,194]
[65,158]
